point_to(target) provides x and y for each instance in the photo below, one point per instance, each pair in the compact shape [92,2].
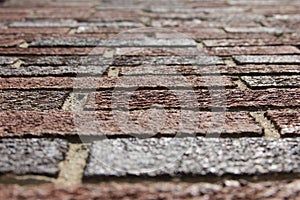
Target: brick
[52,51]
[156,190]
[31,100]
[27,156]
[117,42]
[113,15]
[158,51]
[167,60]
[231,99]
[33,30]
[210,70]
[10,43]
[7,60]
[99,123]
[271,81]
[267,59]
[111,83]
[255,50]
[286,121]
[243,156]
[244,42]
[275,30]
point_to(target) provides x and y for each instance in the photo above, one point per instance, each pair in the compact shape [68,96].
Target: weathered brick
[275,30]
[112,82]
[10,43]
[4,60]
[167,60]
[117,42]
[231,99]
[52,51]
[157,51]
[271,81]
[242,42]
[151,157]
[31,156]
[31,100]
[255,50]
[287,121]
[230,189]
[99,123]
[210,70]
[24,30]
[268,59]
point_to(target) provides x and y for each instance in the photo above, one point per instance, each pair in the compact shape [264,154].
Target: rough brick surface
[115,82]
[31,156]
[155,190]
[272,59]
[287,121]
[189,156]
[272,81]
[142,99]
[141,123]
[32,100]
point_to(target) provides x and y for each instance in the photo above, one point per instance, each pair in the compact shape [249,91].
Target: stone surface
[31,156]
[287,121]
[272,59]
[141,123]
[230,189]
[271,81]
[189,156]
[230,99]
[31,100]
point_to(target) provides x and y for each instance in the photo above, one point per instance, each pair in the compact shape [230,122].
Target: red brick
[10,42]
[23,30]
[233,99]
[110,83]
[19,123]
[258,50]
[286,121]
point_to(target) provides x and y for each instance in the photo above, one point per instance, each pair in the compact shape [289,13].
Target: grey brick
[168,60]
[189,156]
[31,156]
[31,100]
[4,60]
[271,81]
[267,59]
[116,43]
[275,30]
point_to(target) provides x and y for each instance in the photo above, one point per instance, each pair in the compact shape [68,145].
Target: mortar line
[72,168]
[269,130]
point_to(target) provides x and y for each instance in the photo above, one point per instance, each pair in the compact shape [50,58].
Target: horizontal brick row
[202,99]
[271,81]
[193,156]
[116,82]
[118,42]
[31,100]
[255,50]
[32,156]
[267,59]
[156,190]
[287,121]
[116,60]
[140,123]
[73,69]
